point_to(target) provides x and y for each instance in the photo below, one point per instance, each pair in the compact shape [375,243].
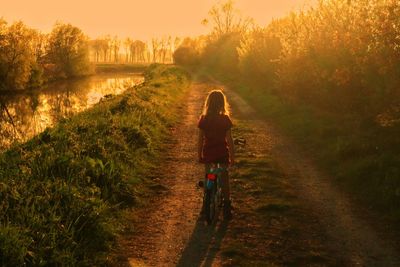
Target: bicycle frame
[213,196]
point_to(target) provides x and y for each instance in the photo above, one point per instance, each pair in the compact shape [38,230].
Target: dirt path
[316,228]
[168,232]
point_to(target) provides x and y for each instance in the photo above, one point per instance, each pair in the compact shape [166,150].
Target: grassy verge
[111,68]
[270,226]
[62,192]
[362,158]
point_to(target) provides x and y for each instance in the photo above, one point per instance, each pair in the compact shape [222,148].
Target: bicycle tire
[210,205]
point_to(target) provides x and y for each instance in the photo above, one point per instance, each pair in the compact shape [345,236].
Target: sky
[136,19]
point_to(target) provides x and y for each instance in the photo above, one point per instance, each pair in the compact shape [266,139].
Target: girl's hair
[216,104]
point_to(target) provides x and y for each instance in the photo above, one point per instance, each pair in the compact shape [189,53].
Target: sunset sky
[138,19]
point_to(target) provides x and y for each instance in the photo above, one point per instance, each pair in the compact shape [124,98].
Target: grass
[362,158]
[111,67]
[62,193]
[270,227]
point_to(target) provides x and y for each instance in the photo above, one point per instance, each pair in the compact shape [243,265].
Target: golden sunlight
[186,133]
[137,19]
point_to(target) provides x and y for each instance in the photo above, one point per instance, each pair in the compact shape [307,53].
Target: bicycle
[213,195]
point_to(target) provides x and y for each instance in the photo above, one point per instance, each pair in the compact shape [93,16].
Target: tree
[127,46]
[105,47]
[68,50]
[188,53]
[225,19]
[228,28]
[177,43]
[116,44]
[96,46]
[163,49]
[16,55]
[137,50]
[38,46]
[155,44]
[259,56]
[170,49]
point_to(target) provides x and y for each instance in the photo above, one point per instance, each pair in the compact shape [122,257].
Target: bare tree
[116,44]
[163,49]
[104,47]
[127,46]
[148,53]
[155,47]
[170,48]
[96,47]
[226,19]
[177,42]
[138,49]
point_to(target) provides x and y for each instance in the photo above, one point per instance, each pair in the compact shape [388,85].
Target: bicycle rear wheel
[210,205]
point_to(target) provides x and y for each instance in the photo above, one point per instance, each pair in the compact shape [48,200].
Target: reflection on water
[24,115]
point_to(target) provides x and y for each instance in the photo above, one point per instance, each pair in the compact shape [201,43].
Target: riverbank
[27,114]
[96,69]
[114,68]
[64,191]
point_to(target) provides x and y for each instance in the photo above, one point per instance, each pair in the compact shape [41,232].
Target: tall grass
[339,50]
[337,66]
[61,193]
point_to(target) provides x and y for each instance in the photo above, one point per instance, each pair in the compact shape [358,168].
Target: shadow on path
[203,244]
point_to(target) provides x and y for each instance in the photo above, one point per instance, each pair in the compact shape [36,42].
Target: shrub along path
[286,212]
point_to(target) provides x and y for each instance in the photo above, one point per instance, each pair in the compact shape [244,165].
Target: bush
[186,56]
[221,55]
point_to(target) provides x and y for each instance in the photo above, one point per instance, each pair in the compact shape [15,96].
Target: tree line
[114,50]
[29,58]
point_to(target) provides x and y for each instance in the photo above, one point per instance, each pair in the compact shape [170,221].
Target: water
[28,114]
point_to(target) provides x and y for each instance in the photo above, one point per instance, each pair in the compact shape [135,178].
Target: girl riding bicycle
[215,143]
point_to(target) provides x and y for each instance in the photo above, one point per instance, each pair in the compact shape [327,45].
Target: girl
[215,144]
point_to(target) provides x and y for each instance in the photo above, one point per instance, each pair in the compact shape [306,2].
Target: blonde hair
[216,104]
